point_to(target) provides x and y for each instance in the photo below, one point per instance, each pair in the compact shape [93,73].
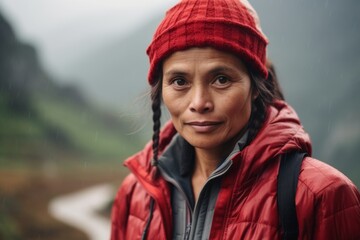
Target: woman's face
[208,94]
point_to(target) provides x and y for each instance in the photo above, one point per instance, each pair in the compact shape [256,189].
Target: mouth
[203,126]
[205,123]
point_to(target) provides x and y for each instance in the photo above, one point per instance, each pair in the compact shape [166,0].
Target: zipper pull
[187,231]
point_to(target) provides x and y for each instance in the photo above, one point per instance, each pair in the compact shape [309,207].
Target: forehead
[202,57]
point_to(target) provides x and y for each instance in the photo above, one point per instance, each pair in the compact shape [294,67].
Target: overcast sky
[64,29]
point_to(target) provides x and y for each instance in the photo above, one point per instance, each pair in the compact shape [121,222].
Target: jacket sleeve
[120,209]
[338,210]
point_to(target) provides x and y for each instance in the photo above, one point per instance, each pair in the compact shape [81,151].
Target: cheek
[239,112]
[173,107]
[172,103]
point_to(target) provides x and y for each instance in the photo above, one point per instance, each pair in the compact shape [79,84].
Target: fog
[65,30]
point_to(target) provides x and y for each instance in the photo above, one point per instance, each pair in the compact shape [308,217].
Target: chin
[204,142]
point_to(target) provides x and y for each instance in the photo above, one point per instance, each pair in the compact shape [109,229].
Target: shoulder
[127,186]
[319,178]
[127,209]
[330,198]
[129,194]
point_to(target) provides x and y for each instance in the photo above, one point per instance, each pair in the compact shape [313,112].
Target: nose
[201,100]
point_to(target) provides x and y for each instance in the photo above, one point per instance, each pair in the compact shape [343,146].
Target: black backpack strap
[289,171]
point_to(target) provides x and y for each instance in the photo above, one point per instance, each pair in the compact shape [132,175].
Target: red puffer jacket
[327,203]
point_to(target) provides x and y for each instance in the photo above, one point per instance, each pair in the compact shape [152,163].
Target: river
[79,210]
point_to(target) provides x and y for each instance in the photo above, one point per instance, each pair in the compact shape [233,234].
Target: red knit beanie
[227,25]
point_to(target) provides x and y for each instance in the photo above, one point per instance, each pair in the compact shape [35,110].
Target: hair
[267,89]
[267,93]
[156,109]
[278,94]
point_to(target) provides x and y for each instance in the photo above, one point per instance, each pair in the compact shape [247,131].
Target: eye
[222,81]
[178,82]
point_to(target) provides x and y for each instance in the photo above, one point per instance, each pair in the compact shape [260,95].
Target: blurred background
[74,95]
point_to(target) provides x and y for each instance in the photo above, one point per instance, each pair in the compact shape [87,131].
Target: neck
[205,162]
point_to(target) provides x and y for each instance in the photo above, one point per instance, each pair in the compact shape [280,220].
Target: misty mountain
[116,73]
[41,119]
[314,46]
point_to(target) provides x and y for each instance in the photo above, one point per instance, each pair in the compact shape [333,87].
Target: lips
[203,126]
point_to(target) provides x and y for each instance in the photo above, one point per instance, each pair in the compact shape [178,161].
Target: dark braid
[257,117]
[268,90]
[156,108]
[273,80]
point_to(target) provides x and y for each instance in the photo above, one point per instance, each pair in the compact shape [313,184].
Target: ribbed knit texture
[228,25]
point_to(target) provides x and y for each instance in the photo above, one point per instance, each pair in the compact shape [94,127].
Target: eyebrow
[175,73]
[212,71]
[221,69]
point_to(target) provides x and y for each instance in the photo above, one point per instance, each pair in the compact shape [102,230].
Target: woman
[211,173]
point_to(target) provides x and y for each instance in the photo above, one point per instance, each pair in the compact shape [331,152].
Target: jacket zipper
[218,174]
[188,214]
[189,229]
[195,212]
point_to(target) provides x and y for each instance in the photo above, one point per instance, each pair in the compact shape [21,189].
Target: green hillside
[56,128]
